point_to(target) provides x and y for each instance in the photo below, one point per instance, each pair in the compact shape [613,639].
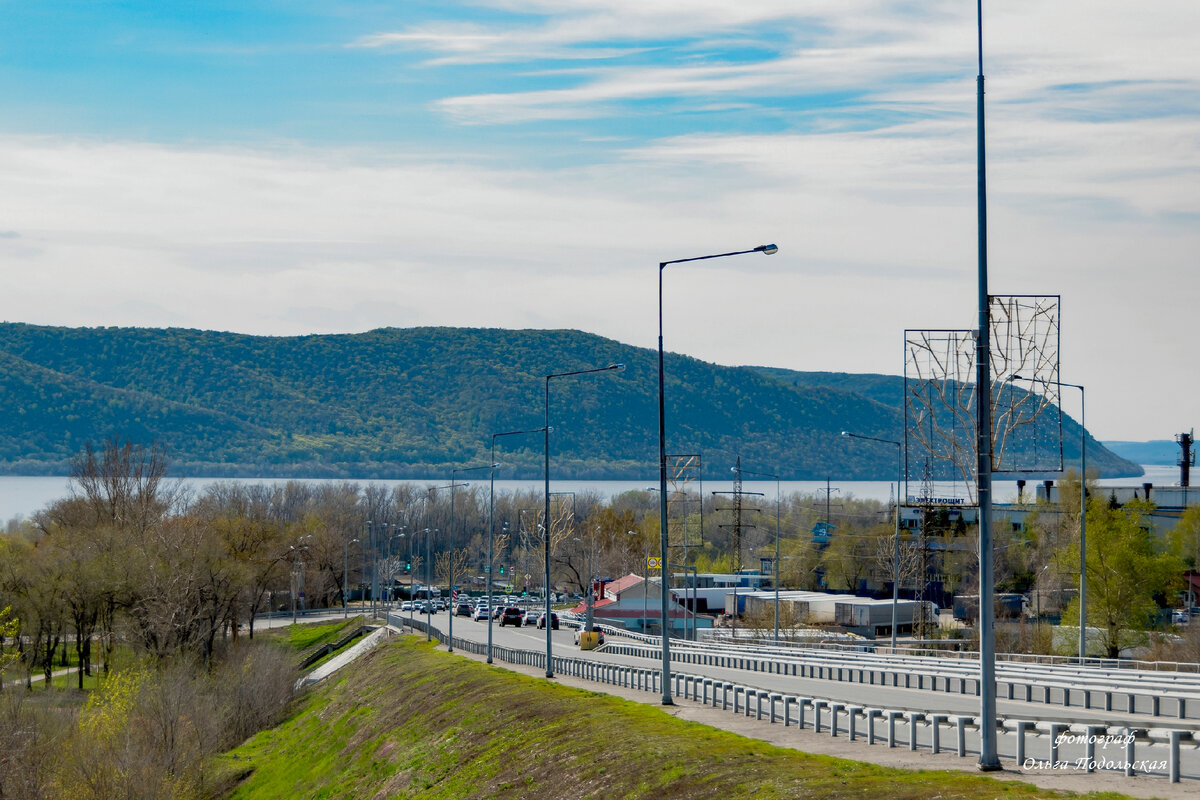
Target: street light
[428,575]
[492,528]
[454,589]
[390,568]
[412,578]
[776,477]
[767,249]
[345,573]
[896,537]
[546,432]
[1082,511]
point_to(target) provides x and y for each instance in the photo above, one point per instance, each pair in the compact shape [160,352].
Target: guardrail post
[872,713]
[724,696]
[1130,735]
[913,718]
[801,702]
[817,706]
[1089,753]
[1154,705]
[1056,730]
[1173,765]
[937,720]
[891,718]
[834,708]
[961,725]
[852,713]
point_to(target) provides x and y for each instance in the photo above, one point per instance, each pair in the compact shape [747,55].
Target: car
[598,632]
[510,616]
[1179,617]
[481,612]
[553,621]
[530,617]
[406,605]
[462,610]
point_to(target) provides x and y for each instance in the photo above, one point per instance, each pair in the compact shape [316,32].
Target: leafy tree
[1126,571]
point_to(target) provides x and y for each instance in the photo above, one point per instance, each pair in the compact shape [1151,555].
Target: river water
[23,496]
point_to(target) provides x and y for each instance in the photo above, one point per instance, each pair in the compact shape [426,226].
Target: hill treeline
[416,402]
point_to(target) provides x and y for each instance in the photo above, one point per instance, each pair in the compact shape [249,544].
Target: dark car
[510,616]
[463,610]
[553,621]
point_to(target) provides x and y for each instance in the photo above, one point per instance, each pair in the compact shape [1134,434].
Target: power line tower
[736,545]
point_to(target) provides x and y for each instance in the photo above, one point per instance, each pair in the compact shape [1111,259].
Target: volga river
[22,496]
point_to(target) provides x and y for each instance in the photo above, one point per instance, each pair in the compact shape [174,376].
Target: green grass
[407,721]
[303,638]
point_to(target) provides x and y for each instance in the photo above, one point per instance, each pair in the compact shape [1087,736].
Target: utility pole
[737,526]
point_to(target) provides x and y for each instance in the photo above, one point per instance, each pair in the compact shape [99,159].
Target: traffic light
[501,569]
[408,566]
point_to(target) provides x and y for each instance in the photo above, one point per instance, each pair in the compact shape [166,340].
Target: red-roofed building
[635,604]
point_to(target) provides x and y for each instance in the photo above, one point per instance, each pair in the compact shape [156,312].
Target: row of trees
[131,556]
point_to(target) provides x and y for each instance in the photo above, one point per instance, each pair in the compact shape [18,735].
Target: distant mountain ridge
[416,402]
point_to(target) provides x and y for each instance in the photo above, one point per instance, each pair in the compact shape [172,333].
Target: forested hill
[417,402]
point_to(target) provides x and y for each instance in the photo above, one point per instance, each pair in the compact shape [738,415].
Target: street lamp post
[390,570]
[492,529]
[412,579]
[1082,512]
[896,536]
[428,567]
[454,589]
[776,477]
[768,249]
[546,432]
[345,574]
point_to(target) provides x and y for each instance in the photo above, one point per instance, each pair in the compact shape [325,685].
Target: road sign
[527,576]
[653,562]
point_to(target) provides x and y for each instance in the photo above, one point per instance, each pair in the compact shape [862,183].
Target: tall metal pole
[546,529]
[346,574]
[989,760]
[664,533]
[896,536]
[1082,524]
[546,534]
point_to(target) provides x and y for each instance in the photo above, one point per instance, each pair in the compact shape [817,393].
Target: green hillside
[413,403]
[408,721]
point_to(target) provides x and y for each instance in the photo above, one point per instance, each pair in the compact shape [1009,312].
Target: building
[635,604]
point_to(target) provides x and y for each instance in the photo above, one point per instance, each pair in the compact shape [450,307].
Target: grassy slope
[407,721]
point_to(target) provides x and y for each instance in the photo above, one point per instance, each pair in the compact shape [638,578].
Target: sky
[285,168]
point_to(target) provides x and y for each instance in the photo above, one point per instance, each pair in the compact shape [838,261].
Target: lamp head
[1016,377]
[767,249]
[845,433]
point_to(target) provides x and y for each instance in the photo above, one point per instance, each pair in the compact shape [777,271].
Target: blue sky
[286,168]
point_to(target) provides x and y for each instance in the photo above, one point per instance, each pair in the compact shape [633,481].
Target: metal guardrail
[1034,744]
